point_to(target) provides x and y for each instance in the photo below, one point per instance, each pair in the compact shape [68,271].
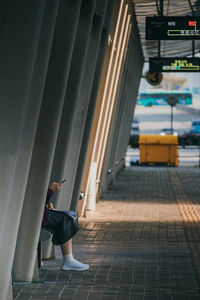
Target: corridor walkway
[142,243]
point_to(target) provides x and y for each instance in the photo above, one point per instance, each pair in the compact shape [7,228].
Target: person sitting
[63,225]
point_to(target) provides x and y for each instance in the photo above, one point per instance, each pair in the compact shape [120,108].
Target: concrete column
[20,38]
[130,90]
[93,64]
[9,295]
[135,83]
[110,87]
[45,140]
[86,147]
[60,159]
[93,68]
[41,64]
[106,111]
[75,108]
[114,160]
[106,162]
[99,108]
[127,130]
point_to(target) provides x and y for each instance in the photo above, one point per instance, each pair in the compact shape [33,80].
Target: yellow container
[156,149]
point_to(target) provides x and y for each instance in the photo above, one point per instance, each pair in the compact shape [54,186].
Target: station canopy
[146,8]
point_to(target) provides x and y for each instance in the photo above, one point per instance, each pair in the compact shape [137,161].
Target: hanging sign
[173,28]
[154,78]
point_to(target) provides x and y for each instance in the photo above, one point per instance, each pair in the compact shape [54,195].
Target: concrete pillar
[9,295]
[20,38]
[100,104]
[130,91]
[89,88]
[91,194]
[45,140]
[99,131]
[41,64]
[86,147]
[74,110]
[93,67]
[69,131]
[134,92]
[115,161]
[106,163]
[109,93]
[111,162]
[104,123]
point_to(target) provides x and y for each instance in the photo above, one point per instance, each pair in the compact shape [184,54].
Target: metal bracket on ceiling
[193,41]
[160,13]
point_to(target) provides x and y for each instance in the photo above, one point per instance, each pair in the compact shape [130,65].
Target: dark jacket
[48,198]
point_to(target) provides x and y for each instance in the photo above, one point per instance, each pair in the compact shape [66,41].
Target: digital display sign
[174,64]
[172,28]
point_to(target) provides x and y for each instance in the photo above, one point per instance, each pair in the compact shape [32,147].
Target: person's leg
[63,228]
[69,262]
[67,247]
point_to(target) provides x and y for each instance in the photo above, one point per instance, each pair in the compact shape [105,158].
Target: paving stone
[136,242]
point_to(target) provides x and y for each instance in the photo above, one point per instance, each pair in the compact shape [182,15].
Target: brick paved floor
[141,243]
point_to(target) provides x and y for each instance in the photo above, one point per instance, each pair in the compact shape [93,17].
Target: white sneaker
[74,265]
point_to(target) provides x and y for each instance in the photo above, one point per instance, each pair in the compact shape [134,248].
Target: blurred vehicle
[159,97]
[167,131]
[195,126]
[134,127]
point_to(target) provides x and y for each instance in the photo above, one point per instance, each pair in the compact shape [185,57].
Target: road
[153,119]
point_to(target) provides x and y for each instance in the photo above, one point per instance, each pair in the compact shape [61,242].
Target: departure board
[174,64]
[172,28]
